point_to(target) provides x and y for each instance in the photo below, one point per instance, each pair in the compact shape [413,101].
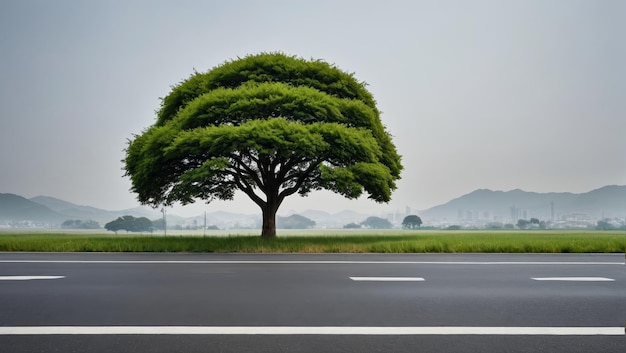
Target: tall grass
[381,242]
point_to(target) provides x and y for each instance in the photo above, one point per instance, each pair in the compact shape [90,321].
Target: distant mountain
[294,221]
[608,201]
[482,204]
[72,211]
[52,211]
[16,208]
[334,220]
[223,220]
[140,211]
[315,214]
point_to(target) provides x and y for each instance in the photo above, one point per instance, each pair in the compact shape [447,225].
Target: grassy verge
[392,242]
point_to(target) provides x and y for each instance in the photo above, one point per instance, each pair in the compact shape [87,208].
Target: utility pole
[204,232]
[164,222]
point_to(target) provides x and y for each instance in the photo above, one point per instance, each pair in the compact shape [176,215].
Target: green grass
[329,242]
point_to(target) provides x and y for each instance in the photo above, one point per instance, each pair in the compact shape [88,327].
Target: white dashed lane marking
[388,279]
[574,279]
[28,278]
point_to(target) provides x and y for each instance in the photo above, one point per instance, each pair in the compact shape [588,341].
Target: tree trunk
[269,220]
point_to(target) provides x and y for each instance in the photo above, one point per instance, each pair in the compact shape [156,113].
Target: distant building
[518,213]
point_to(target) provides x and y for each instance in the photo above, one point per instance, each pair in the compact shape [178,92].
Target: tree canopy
[377,223]
[129,224]
[270,125]
[411,222]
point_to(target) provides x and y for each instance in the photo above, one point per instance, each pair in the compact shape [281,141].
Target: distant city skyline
[501,95]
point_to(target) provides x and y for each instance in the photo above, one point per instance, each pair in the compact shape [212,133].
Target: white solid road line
[311,262]
[574,279]
[28,278]
[303,330]
[388,279]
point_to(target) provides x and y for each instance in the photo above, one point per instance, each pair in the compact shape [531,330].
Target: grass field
[325,241]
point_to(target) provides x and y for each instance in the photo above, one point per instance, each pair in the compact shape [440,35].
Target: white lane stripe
[388,279]
[28,278]
[301,330]
[295,262]
[574,279]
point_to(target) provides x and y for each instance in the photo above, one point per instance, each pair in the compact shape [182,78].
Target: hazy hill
[482,204]
[608,201]
[294,221]
[53,211]
[17,208]
[315,214]
[73,211]
[222,220]
[335,220]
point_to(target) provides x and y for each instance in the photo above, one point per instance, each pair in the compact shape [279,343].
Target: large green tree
[129,224]
[377,223]
[412,221]
[270,125]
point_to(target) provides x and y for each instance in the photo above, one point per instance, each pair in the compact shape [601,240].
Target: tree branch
[300,180]
[243,168]
[247,189]
[288,166]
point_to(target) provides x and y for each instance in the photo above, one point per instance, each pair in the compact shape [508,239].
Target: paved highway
[312,303]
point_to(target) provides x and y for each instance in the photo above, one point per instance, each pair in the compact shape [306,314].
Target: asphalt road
[312,303]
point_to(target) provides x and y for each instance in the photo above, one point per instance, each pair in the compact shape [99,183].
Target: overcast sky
[477,94]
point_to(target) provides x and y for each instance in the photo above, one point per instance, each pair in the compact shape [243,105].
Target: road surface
[312,303]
